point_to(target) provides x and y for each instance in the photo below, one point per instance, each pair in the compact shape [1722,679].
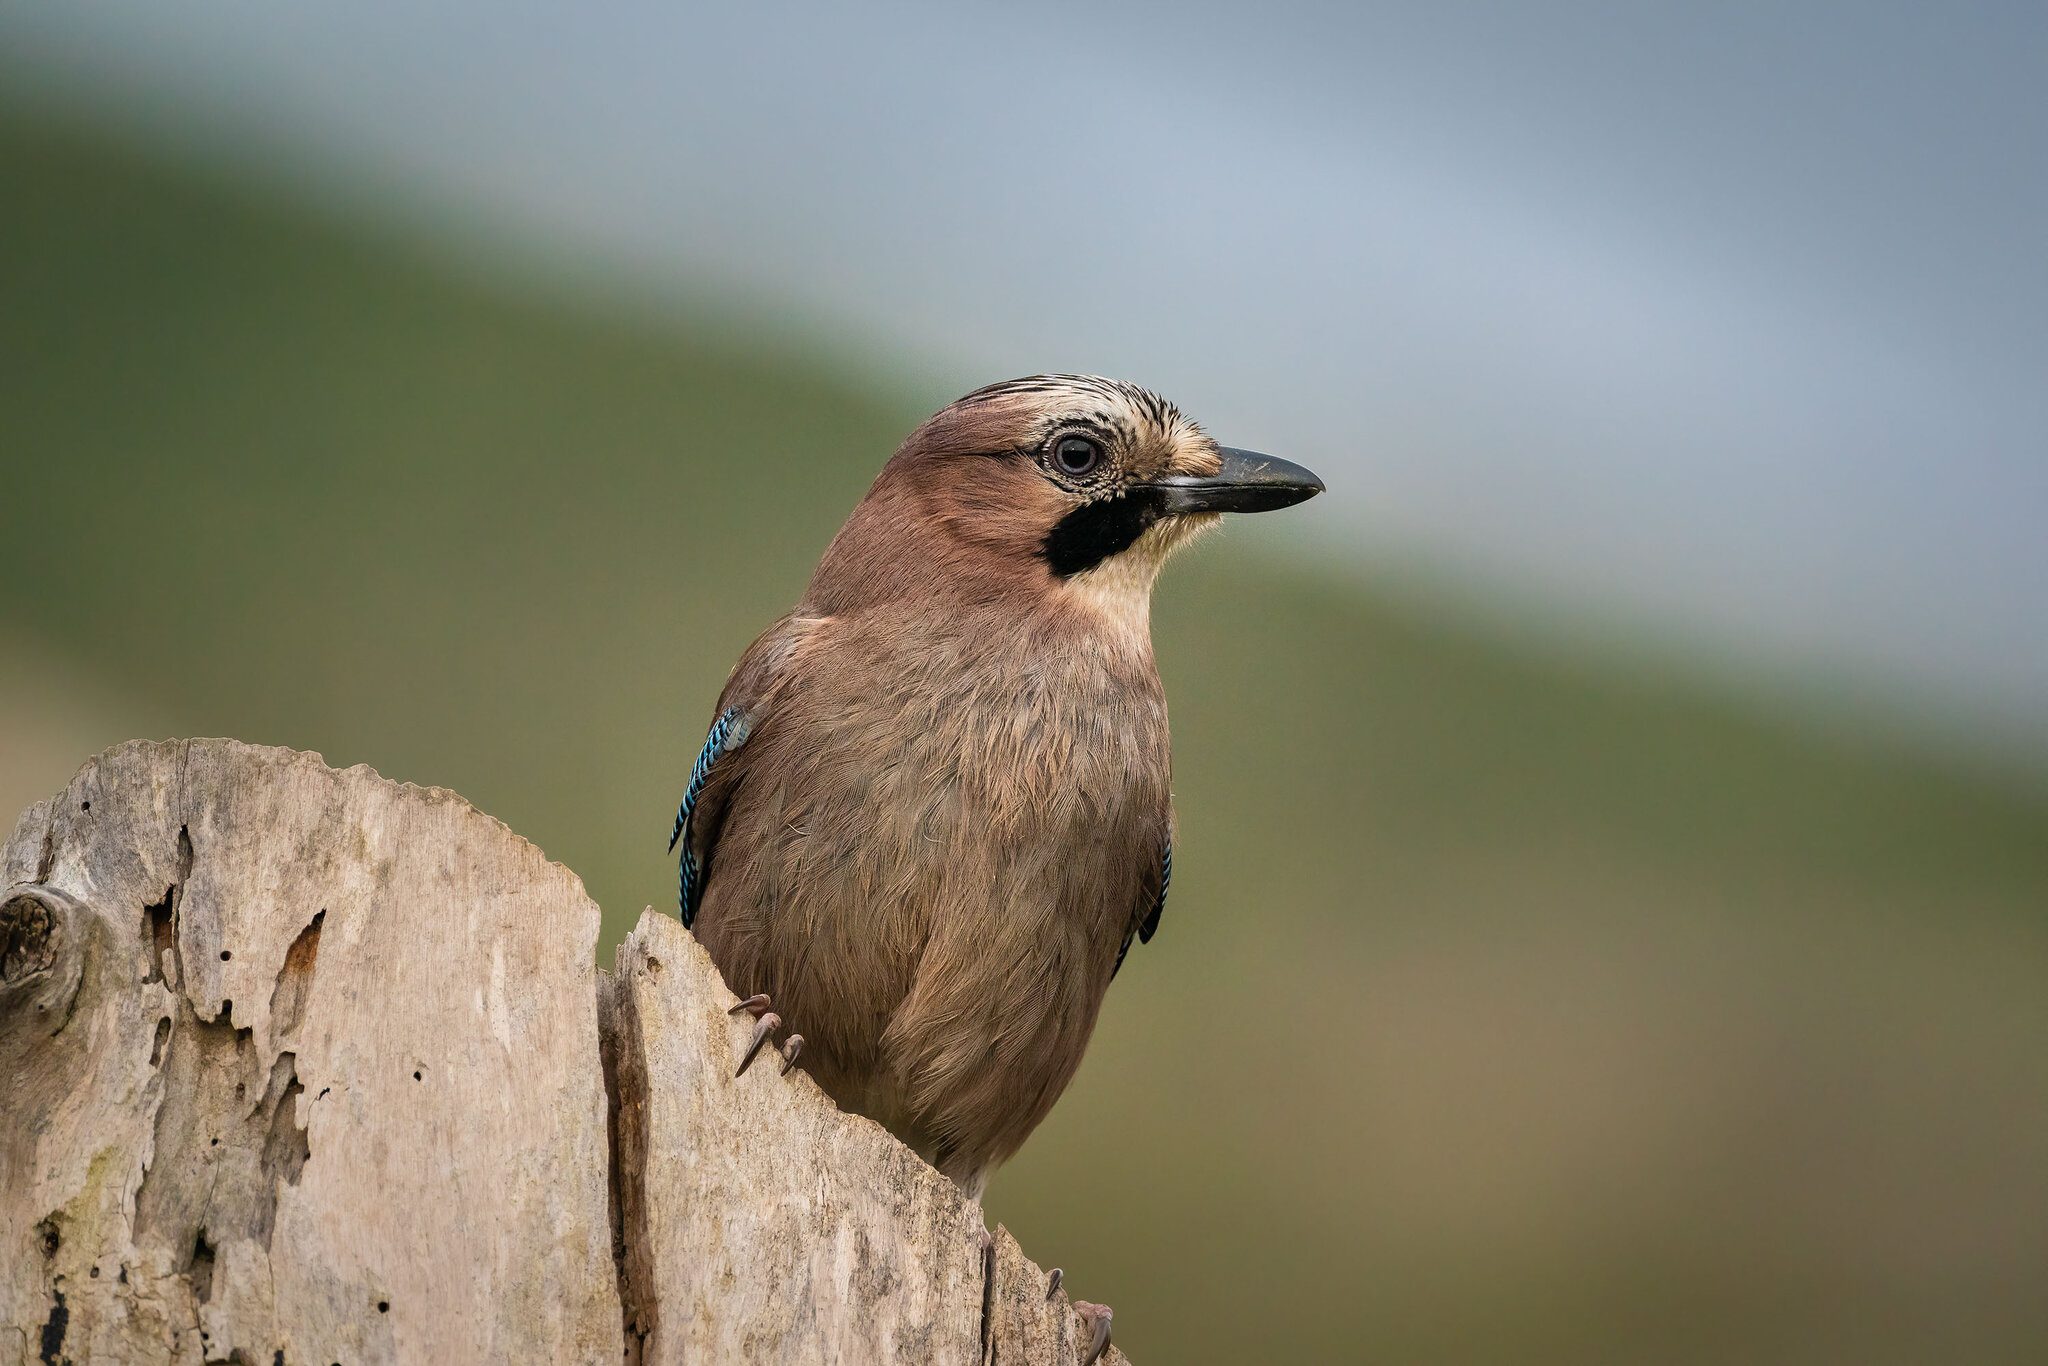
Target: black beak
[1248,482]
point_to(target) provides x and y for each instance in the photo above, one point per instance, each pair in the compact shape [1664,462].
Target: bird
[934,807]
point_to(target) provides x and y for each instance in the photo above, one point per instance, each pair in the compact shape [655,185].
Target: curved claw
[763,1027]
[1052,1284]
[791,1047]
[1098,1317]
[753,1005]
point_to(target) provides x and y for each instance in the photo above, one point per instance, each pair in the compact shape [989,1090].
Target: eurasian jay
[935,805]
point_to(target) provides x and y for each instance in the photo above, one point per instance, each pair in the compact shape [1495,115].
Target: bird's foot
[1097,1317]
[766,1022]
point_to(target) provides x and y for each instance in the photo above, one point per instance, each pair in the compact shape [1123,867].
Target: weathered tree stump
[309,1066]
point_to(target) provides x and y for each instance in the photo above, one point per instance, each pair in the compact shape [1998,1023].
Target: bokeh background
[1611,911]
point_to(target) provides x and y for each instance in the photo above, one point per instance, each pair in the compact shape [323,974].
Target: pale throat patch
[1119,590]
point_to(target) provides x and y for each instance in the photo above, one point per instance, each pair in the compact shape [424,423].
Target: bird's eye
[1076,455]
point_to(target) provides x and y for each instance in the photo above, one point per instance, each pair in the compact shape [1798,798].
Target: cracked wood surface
[323,1088]
[304,1065]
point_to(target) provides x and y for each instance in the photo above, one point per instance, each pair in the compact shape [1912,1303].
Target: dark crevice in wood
[285,1149]
[295,979]
[625,1086]
[54,1328]
[988,1300]
[160,935]
[199,1267]
[31,933]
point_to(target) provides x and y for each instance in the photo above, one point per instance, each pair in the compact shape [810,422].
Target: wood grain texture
[310,1066]
[1025,1324]
[325,1088]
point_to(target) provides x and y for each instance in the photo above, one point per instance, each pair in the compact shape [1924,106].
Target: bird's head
[1071,484]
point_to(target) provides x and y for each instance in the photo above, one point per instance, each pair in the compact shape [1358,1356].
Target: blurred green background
[1515,1003]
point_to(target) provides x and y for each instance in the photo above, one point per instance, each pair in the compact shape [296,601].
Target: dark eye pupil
[1077,454]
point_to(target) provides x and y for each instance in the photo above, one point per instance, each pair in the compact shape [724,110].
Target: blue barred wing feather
[727,734]
[1144,928]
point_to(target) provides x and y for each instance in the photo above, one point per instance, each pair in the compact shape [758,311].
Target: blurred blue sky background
[1723,326]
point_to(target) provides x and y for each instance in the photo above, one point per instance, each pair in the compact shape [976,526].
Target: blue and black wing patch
[728,733]
[1149,926]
